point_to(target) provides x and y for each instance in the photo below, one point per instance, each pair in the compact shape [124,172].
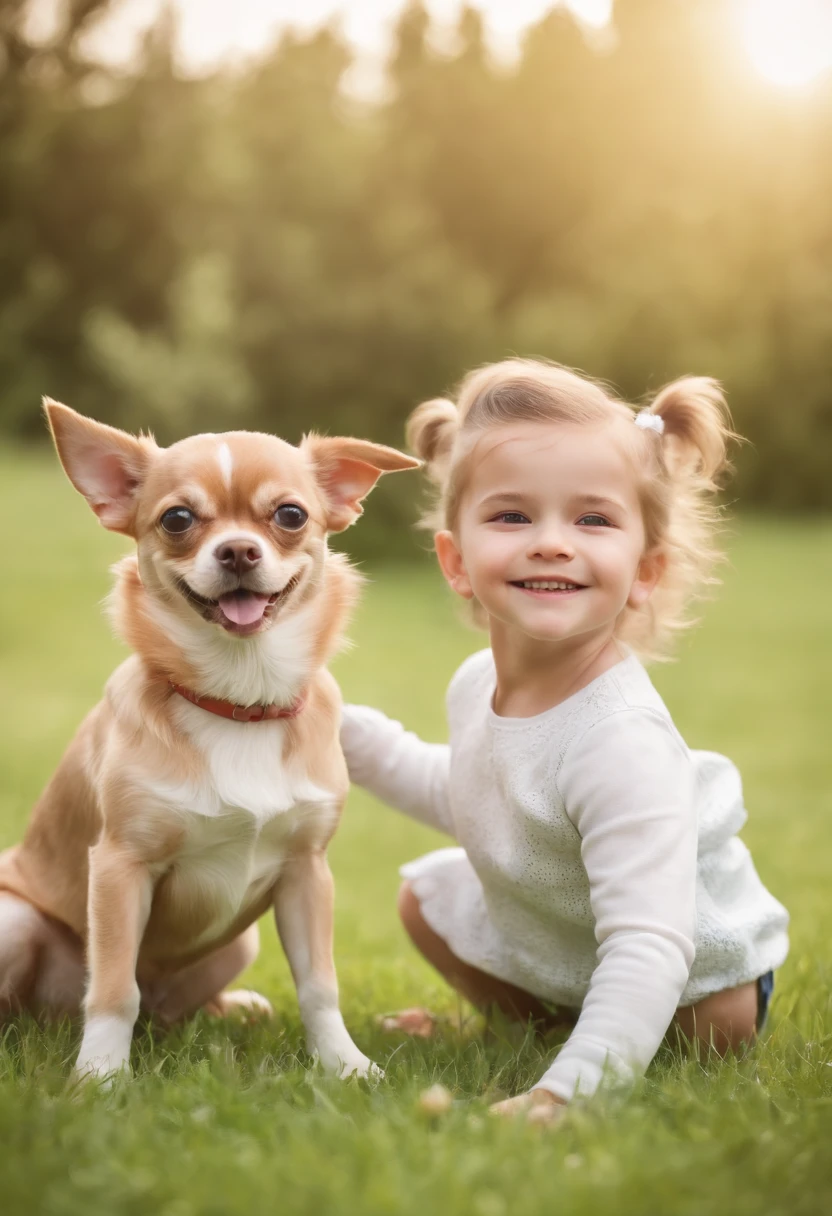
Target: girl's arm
[628,788]
[397,766]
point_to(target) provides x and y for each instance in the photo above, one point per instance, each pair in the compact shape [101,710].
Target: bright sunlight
[790,41]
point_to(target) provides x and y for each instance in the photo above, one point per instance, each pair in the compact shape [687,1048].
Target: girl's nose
[551,543]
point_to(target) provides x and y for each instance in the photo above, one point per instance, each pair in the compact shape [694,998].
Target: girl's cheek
[501,555]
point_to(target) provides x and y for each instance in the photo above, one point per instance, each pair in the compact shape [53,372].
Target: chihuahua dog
[205,786]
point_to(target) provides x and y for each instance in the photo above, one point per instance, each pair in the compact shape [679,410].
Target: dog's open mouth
[244,608]
[240,611]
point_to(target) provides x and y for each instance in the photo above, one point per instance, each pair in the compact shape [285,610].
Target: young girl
[599,868]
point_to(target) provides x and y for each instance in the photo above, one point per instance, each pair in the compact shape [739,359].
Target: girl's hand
[538,1106]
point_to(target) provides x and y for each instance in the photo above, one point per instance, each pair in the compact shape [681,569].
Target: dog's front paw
[360,1066]
[102,1070]
[347,1061]
[104,1054]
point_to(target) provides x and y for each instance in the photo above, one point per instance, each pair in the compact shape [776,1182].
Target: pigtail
[431,431]
[697,429]
[682,512]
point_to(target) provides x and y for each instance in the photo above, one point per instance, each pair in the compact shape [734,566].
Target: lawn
[224,1118]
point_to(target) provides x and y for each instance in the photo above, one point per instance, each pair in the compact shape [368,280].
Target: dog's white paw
[359,1066]
[347,1061]
[102,1070]
[104,1054]
[362,1068]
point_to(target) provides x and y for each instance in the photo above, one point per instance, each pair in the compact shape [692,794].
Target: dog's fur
[167,830]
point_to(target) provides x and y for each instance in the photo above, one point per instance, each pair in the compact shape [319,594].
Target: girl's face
[550,537]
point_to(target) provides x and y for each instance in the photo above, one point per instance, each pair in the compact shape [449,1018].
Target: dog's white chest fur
[245,769]
[240,817]
[229,862]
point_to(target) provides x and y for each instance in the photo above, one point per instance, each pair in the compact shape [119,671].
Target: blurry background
[221,215]
[226,214]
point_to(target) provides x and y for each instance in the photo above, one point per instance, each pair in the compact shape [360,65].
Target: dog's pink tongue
[243,609]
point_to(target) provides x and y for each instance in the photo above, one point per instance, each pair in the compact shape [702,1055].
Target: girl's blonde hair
[678,470]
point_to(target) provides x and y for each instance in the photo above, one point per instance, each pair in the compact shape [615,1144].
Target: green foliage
[254,249]
[193,379]
[226,1119]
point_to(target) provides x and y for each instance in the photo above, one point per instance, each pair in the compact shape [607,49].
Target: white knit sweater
[599,868]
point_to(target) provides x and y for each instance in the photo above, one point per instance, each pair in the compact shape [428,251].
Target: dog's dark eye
[177,519]
[290,516]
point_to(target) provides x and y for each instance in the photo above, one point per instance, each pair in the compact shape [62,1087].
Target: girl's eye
[511,517]
[290,516]
[177,520]
[594,521]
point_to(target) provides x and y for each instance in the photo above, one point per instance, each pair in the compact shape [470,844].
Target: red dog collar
[241,713]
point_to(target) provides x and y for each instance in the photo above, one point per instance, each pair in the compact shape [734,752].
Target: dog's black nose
[238,555]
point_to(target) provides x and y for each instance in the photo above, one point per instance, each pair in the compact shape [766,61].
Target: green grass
[221,1118]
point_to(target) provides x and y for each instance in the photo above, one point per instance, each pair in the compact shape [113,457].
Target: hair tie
[650,422]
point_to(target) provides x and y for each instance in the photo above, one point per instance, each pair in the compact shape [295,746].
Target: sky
[788,41]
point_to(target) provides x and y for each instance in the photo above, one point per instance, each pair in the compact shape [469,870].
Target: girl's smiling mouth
[538,586]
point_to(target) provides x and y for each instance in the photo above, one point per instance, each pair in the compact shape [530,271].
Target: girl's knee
[426,941]
[409,911]
[725,1021]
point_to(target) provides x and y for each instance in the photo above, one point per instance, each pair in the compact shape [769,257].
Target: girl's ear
[650,569]
[346,470]
[452,566]
[104,464]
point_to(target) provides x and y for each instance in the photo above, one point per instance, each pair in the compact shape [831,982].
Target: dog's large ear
[107,466]
[346,470]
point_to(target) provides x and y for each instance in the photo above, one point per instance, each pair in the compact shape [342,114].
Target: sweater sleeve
[397,766]
[628,788]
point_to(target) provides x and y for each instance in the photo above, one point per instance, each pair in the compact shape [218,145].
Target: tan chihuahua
[207,784]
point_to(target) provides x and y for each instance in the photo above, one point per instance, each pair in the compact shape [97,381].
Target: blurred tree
[195,378]
[95,209]
[39,83]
